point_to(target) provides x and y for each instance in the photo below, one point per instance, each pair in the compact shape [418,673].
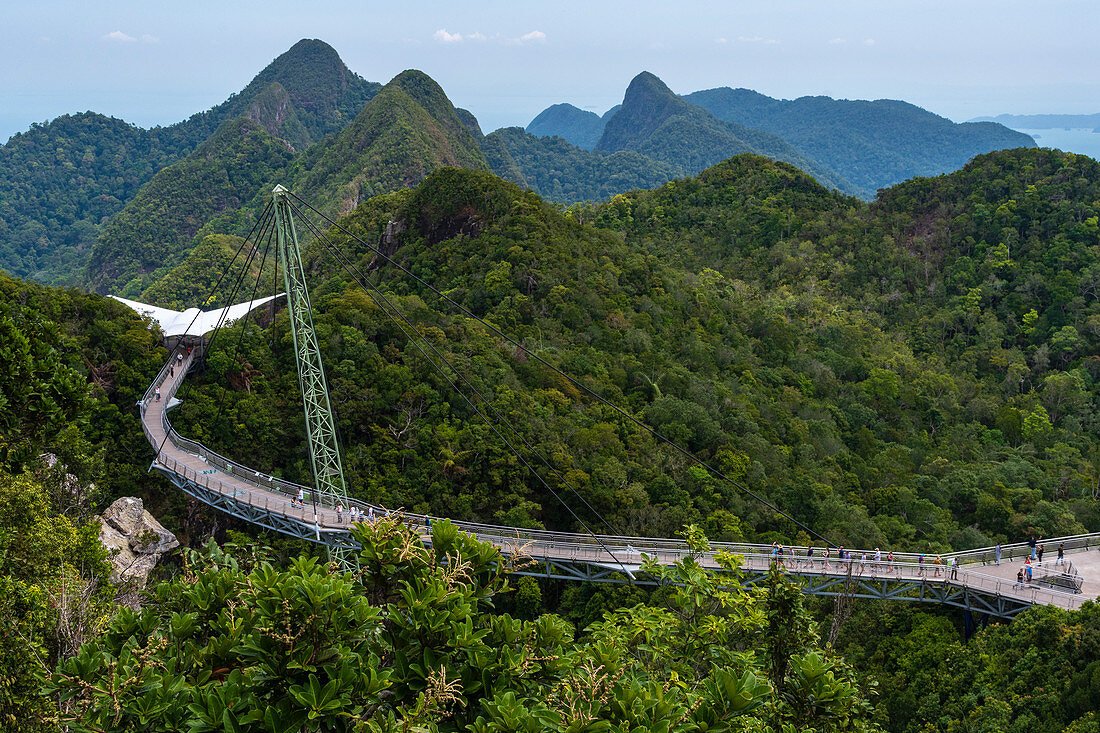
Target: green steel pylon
[324,453]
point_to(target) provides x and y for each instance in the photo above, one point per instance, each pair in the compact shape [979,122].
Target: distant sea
[1078,140]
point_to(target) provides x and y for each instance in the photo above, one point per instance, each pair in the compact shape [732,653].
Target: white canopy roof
[193,322]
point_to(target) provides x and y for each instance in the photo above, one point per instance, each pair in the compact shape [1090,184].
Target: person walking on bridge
[1061,554]
[1031,543]
[1039,552]
[954,568]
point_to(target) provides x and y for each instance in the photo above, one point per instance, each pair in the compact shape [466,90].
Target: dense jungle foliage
[915,373]
[61,181]
[414,642]
[934,394]
[559,171]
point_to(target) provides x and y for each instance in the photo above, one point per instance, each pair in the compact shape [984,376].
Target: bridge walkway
[269,502]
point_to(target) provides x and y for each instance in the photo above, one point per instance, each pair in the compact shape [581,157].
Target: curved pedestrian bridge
[978,584]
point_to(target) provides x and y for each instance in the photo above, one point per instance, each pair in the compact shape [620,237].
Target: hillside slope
[560,171]
[657,123]
[872,144]
[404,133]
[61,182]
[156,228]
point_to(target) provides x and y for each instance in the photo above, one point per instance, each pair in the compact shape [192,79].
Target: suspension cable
[360,277]
[255,288]
[210,294]
[576,383]
[376,293]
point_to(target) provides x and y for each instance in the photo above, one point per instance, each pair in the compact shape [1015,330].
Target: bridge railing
[258,479]
[275,494]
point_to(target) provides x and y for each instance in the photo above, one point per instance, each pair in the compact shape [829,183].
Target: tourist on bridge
[890,559]
[954,568]
[938,562]
[1061,554]
[1031,543]
[825,558]
[878,559]
[157,391]
[1039,552]
[370,514]
[920,564]
[1027,572]
[339,512]
[1019,579]
[997,553]
[810,556]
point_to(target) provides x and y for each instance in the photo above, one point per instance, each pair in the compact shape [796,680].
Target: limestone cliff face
[135,539]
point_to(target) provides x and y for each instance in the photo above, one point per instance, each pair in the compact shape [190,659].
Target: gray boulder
[135,539]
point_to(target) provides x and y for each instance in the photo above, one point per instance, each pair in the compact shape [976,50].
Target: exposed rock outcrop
[135,539]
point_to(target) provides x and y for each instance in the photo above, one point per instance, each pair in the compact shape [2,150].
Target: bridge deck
[267,501]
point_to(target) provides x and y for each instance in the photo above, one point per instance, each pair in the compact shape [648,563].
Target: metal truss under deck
[903,589]
[260,516]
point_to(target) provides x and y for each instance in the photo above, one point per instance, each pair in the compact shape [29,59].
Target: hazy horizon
[506,62]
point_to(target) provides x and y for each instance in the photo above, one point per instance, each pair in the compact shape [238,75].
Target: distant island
[1045,122]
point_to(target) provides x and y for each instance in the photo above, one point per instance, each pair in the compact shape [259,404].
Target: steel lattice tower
[324,453]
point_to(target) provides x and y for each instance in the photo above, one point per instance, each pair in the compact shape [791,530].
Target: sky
[153,63]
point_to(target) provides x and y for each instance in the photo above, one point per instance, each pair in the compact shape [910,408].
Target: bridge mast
[324,453]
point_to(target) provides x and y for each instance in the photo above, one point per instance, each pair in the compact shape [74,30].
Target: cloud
[476,37]
[837,41]
[533,36]
[869,42]
[146,38]
[443,36]
[119,36]
[756,39]
[720,40]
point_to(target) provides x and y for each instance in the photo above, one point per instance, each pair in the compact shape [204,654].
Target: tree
[412,642]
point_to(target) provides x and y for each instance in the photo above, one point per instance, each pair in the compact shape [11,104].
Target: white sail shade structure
[193,322]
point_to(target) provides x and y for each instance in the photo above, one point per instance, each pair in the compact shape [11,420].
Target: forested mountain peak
[312,73]
[321,96]
[656,122]
[408,130]
[647,104]
[578,126]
